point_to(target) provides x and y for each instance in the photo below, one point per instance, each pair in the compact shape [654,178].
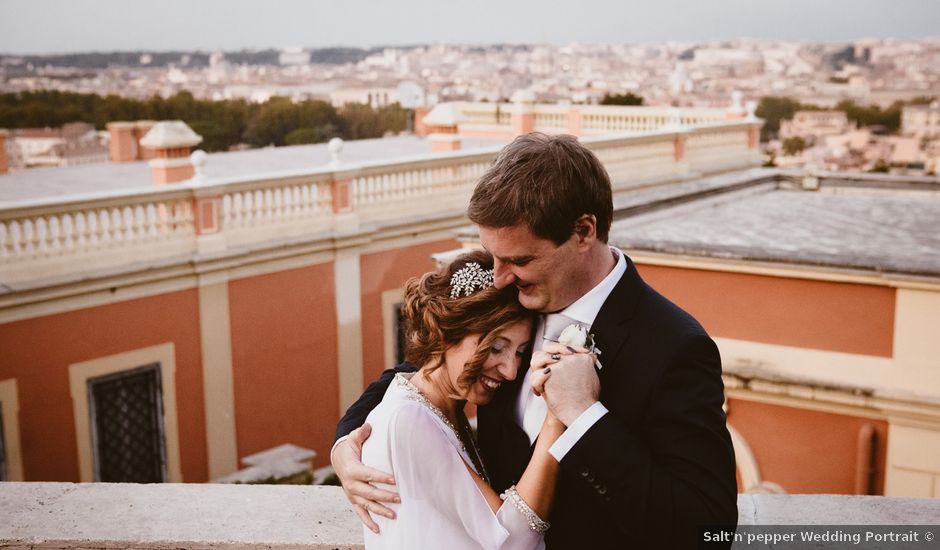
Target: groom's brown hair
[546,182]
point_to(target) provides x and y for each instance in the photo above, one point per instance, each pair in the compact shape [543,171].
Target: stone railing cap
[170,133]
[445,114]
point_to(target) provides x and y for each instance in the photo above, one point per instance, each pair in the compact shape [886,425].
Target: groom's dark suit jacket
[659,465]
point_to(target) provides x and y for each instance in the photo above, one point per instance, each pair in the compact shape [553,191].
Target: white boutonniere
[576,335]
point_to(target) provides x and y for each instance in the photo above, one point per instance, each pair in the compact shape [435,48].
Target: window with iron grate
[126,411]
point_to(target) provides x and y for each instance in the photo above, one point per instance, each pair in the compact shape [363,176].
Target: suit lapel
[611,327]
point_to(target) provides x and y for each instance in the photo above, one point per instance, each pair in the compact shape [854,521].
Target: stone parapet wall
[165,516]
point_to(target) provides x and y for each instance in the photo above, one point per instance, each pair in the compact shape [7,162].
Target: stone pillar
[4,163]
[679,153]
[123,144]
[523,112]
[575,121]
[141,127]
[170,142]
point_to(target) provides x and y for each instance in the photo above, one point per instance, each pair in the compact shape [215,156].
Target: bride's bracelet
[537,524]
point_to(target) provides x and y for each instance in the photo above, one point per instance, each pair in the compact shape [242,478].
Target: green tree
[793,146]
[774,109]
[278,117]
[628,98]
[360,121]
[873,115]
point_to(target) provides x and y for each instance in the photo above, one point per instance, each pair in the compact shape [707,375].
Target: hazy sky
[47,26]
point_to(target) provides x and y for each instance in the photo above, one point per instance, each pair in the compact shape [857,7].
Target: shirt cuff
[576,430]
[333,448]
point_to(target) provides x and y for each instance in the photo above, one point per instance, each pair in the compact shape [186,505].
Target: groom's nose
[502,274]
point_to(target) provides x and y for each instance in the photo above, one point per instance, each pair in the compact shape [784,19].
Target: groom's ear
[586,229]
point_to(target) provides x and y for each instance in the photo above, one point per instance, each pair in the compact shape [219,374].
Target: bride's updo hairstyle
[436,321]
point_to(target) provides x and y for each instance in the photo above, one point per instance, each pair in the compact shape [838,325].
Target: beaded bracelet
[536,523]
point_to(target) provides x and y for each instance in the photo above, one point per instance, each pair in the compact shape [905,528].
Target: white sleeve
[428,468]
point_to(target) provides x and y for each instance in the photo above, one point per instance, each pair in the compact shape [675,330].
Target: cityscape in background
[202,253]
[867,105]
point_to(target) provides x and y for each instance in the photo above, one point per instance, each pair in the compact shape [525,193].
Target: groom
[646,459]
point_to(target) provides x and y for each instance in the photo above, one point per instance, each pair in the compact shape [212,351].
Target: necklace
[414,394]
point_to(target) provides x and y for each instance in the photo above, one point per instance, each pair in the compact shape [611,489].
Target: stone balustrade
[43,241]
[586,119]
[173,516]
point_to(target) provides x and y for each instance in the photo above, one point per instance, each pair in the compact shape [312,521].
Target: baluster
[55,235]
[16,238]
[277,204]
[227,210]
[41,235]
[258,201]
[3,241]
[127,220]
[141,231]
[248,209]
[117,229]
[102,228]
[151,220]
[308,194]
[236,216]
[69,236]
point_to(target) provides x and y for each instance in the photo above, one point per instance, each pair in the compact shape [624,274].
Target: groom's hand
[357,478]
[572,385]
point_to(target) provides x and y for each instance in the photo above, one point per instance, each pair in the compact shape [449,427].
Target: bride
[466,338]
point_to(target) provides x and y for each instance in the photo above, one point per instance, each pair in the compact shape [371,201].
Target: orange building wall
[37,352]
[845,317]
[284,360]
[806,451]
[382,271]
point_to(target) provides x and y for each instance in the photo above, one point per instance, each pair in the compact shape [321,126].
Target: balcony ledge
[203,516]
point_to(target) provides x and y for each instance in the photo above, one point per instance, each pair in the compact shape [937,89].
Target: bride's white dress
[441,505]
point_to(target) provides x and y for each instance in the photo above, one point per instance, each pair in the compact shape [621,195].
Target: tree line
[774,109]
[194,59]
[222,124]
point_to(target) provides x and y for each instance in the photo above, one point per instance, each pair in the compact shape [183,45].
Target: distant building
[72,144]
[812,125]
[294,56]
[921,120]
[374,97]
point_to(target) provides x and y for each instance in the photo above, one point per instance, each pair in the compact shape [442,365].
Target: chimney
[4,164]
[141,127]
[170,142]
[123,144]
[442,122]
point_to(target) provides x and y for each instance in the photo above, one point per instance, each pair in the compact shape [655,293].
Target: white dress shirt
[584,311]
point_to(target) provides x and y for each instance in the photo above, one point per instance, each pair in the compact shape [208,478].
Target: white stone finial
[335,147]
[523,96]
[737,106]
[751,108]
[198,159]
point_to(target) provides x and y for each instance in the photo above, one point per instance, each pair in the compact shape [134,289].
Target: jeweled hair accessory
[469,279]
